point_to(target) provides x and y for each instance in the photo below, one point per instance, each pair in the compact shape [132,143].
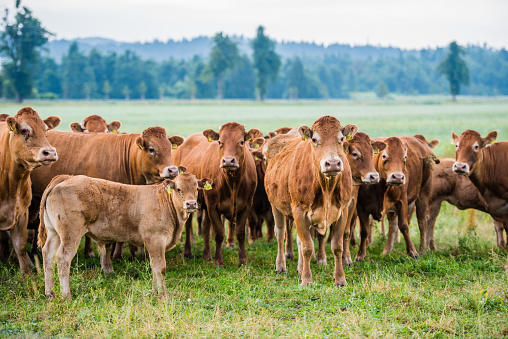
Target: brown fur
[96,124]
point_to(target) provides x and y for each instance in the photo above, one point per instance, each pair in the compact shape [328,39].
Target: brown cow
[23,147]
[310,181]
[152,216]
[136,159]
[96,124]
[484,162]
[405,167]
[225,158]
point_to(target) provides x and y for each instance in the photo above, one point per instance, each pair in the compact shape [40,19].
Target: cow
[95,124]
[152,216]
[405,167]
[23,147]
[136,159]
[458,191]
[484,162]
[224,157]
[308,179]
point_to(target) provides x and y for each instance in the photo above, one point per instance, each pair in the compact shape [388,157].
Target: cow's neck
[131,162]
[484,170]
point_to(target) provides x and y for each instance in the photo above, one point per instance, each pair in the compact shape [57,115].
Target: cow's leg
[206,236]
[337,247]
[4,245]
[321,254]
[352,229]
[499,228]
[433,212]
[402,210]
[88,248]
[252,221]
[351,213]
[156,249]
[105,255]
[364,236]
[117,255]
[306,248]
[268,216]
[241,219]
[231,234]
[133,250]
[422,205]
[18,237]
[382,228]
[49,250]
[371,230]
[66,251]
[218,226]
[290,253]
[392,231]
[280,234]
[187,249]
[199,218]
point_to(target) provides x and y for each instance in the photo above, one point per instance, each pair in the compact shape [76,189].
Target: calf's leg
[187,251]
[280,234]
[290,253]
[306,248]
[48,260]
[158,264]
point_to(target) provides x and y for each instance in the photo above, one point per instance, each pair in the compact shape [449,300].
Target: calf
[151,216]
[484,162]
[23,147]
[309,180]
[95,124]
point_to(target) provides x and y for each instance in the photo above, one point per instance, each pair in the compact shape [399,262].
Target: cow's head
[155,154]
[391,162]
[327,137]
[96,124]
[233,143]
[468,146]
[184,190]
[360,154]
[431,144]
[28,138]
[283,130]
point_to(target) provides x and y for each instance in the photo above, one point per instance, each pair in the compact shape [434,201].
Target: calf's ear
[348,132]
[270,135]
[205,183]
[3,117]
[211,135]
[169,185]
[141,143]
[490,138]
[283,130]
[434,143]
[253,134]
[257,143]
[114,126]
[257,154]
[75,127]
[176,141]
[11,122]
[455,138]
[305,132]
[181,169]
[52,121]
[378,146]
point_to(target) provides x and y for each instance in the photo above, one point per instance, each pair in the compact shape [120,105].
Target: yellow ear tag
[250,139]
[114,131]
[180,171]
[349,137]
[210,139]
[174,146]
[256,158]
[208,186]
[376,151]
[256,145]
[345,150]
[169,189]
[493,142]
[140,147]
[10,126]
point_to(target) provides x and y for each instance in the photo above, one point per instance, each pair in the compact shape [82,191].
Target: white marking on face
[356,154]
[476,147]
[316,138]
[82,124]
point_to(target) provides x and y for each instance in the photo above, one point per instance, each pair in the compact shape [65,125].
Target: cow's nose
[460,168]
[371,177]
[170,172]
[332,165]
[396,179]
[229,163]
[47,154]
[191,205]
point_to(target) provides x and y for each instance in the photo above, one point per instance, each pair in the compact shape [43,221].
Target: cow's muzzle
[191,206]
[46,156]
[331,166]
[460,168]
[396,179]
[229,163]
[371,178]
[169,172]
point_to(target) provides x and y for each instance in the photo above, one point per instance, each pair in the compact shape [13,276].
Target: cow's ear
[283,130]
[211,135]
[378,146]
[346,145]
[141,143]
[114,126]
[257,143]
[433,143]
[3,117]
[455,138]
[181,169]
[489,139]
[52,121]
[271,135]
[305,132]
[75,127]
[257,154]
[205,183]
[11,122]
[176,141]
[348,132]
[253,134]
[169,185]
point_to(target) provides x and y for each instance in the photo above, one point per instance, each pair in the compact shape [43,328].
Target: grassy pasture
[461,290]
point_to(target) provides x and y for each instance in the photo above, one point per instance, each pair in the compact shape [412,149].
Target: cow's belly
[321,218]
[497,207]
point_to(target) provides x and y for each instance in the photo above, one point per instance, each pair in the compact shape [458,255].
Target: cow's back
[198,156]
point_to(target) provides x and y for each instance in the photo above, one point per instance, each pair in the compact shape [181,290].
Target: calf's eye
[152,151]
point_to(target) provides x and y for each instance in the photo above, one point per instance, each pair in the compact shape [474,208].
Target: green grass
[458,291]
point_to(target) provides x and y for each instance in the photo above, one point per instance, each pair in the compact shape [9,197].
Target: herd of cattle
[142,189]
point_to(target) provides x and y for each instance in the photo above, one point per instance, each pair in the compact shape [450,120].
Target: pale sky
[400,23]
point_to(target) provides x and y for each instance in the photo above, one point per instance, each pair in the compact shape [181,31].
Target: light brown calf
[95,124]
[150,216]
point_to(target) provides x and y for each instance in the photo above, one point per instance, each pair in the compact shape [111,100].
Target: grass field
[460,290]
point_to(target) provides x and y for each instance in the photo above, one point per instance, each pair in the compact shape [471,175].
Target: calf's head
[391,162]
[28,138]
[96,124]
[468,146]
[155,154]
[184,190]
[233,141]
[327,137]
[360,154]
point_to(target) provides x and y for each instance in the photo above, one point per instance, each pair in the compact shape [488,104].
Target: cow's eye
[25,132]
[151,150]
[355,155]
[315,141]
[242,142]
[476,148]
[179,190]
[384,157]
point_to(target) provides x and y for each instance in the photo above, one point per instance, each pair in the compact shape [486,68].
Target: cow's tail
[43,234]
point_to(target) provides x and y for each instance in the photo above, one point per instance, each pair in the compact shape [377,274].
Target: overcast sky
[400,23]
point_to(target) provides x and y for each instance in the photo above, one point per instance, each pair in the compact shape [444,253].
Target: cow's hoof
[188,255]
[51,295]
[307,283]
[359,259]
[218,263]
[290,256]
[414,256]
[322,262]
[281,271]
[90,255]
[347,262]
[340,284]
[231,245]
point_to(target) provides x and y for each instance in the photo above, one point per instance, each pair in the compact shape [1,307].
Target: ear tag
[493,142]
[208,186]
[140,147]
[210,139]
[250,139]
[114,131]
[376,151]
[345,150]
[349,137]
[169,189]
[256,158]
[180,171]
[10,126]
[174,146]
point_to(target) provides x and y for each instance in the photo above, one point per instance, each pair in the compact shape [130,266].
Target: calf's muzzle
[460,168]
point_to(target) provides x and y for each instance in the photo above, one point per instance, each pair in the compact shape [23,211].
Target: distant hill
[186,49]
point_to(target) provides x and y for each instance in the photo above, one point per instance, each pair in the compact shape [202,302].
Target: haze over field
[405,24]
